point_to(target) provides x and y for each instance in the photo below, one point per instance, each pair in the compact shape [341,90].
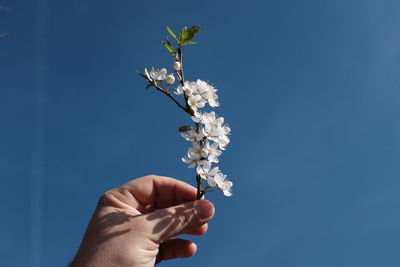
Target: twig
[168,93]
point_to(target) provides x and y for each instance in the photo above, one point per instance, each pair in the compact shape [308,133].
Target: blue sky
[310,88]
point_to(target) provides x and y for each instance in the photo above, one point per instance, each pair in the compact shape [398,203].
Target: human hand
[134,224]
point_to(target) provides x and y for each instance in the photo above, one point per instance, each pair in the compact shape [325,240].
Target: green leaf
[168,45]
[188,34]
[190,42]
[149,85]
[172,33]
[182,36]
[183,129]
[192,31]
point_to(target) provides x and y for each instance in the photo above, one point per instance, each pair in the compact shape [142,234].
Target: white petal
[227,193]
[211,182]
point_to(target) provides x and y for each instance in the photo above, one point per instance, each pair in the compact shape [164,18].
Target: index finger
[152,192]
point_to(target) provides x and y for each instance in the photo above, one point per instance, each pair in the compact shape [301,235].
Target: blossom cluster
[161,75]
[209,136]
[207,142]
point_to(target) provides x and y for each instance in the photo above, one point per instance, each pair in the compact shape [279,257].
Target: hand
[134,224]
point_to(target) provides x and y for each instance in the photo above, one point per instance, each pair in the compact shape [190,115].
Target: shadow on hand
[172,223]
[105,222]
[99,231]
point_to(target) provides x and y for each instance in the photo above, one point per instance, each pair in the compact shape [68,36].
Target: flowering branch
[210,134]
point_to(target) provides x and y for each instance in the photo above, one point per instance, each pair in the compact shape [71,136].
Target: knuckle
[106,198]
[150,176]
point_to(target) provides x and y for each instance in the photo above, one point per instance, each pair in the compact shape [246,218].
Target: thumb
[166,223]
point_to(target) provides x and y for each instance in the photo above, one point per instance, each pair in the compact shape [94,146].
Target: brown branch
[168,93]
[180,61]
[182,77]
[200,191]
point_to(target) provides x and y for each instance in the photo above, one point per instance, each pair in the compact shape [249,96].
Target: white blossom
[207,118]
[214,127]
[222,141]
[208,93]
[198,152]
[195,155]
[199,117]
[192,135]
[205,171]
[170,79]
[217,132]
[158,75]
[195,101]
[213,152]
[201,89]
[215,177]
[191,160]
[188,88]
[213,101]
[219,180]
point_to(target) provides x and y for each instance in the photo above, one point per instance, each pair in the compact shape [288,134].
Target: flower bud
[170,79]
[177,65]
[188,91]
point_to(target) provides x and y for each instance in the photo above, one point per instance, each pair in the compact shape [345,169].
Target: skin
[136,224]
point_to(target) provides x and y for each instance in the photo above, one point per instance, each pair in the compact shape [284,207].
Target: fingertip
[192,249]
[201,230]
[205,210]
[185,248]
[176,248]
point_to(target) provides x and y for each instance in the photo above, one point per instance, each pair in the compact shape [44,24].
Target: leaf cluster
[185,37]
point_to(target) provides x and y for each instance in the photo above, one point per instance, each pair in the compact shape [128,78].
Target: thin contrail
[37,167]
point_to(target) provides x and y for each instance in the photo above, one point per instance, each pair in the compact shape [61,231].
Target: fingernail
[204,209]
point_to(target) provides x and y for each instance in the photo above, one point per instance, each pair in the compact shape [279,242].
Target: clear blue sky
[311,90]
